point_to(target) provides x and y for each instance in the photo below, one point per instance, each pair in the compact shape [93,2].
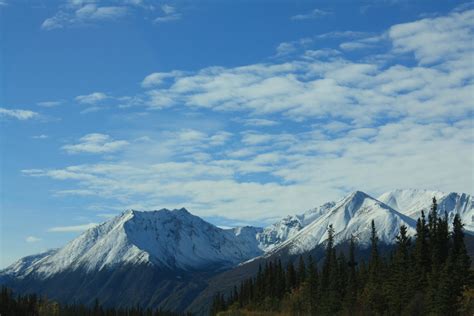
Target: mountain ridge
[165,248]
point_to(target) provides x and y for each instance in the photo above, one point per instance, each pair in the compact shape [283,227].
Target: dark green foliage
[350,298]
[301,272]
[32,305]
[430,276]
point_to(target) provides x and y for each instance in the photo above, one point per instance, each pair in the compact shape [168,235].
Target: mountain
[412,201]
[277,233]
[155,259]
[175,260]
[351,216]
[166,239]
[25,265]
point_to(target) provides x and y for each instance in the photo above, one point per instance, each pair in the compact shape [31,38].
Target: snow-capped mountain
[167,239]
[351,216]
[165,258]
[412,201]
[23,266]
[277,233]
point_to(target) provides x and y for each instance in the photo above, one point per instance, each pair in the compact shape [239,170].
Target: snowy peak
[21,267]
[277,233]
[309,216]
[355,201]
[412,201]
[176,239]
[351,216]
[170,239]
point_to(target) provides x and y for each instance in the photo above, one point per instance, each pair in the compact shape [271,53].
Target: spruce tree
[313,286]
[352,284]
[400,284]
[439,242]
[421,253]
[329,300]
[373,292]
[291,277]
[301,271]
[458,265]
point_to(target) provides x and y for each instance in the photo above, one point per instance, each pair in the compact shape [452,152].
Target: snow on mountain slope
[246,236]
[412,201]
[167,239]
[20,267]
[178,240]
[289,226]
[350,216]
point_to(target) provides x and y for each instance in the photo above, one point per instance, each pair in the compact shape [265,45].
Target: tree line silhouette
[34,305]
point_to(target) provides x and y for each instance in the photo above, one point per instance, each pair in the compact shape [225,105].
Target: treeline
[427,276]
[34,305]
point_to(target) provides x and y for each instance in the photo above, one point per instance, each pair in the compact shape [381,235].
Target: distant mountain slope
[289,226]
[23,266]
[412,201]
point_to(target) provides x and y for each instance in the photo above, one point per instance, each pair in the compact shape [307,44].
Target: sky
[240,111]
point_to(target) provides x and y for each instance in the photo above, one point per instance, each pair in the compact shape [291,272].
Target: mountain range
[172,259]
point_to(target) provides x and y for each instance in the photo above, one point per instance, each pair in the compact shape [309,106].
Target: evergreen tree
[373,292]
[456,276]
[421,253]
[400,284]
[301,271]
[329,304]
[290,277]
[352,284]
[439,243]
[313,286]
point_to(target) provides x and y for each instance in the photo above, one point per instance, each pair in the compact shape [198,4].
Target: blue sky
[240,111]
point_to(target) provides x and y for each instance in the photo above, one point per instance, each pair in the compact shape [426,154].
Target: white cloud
[41,136]
[83,13]
[432,40]
[311,167]
[49,104]
[92,109]
[314,14]
[157,78]
[167,9]
[72,229]
[336,88]
[369,42]
[95,143]
[255,138]
[170,14]
[363,125]
[285,48]
[342,34]
[168,18]
[92,98]
[259,122]
[321,53]
[32,239]
[19,114]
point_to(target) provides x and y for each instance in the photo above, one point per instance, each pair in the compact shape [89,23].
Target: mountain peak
[182,211]
[359,196]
